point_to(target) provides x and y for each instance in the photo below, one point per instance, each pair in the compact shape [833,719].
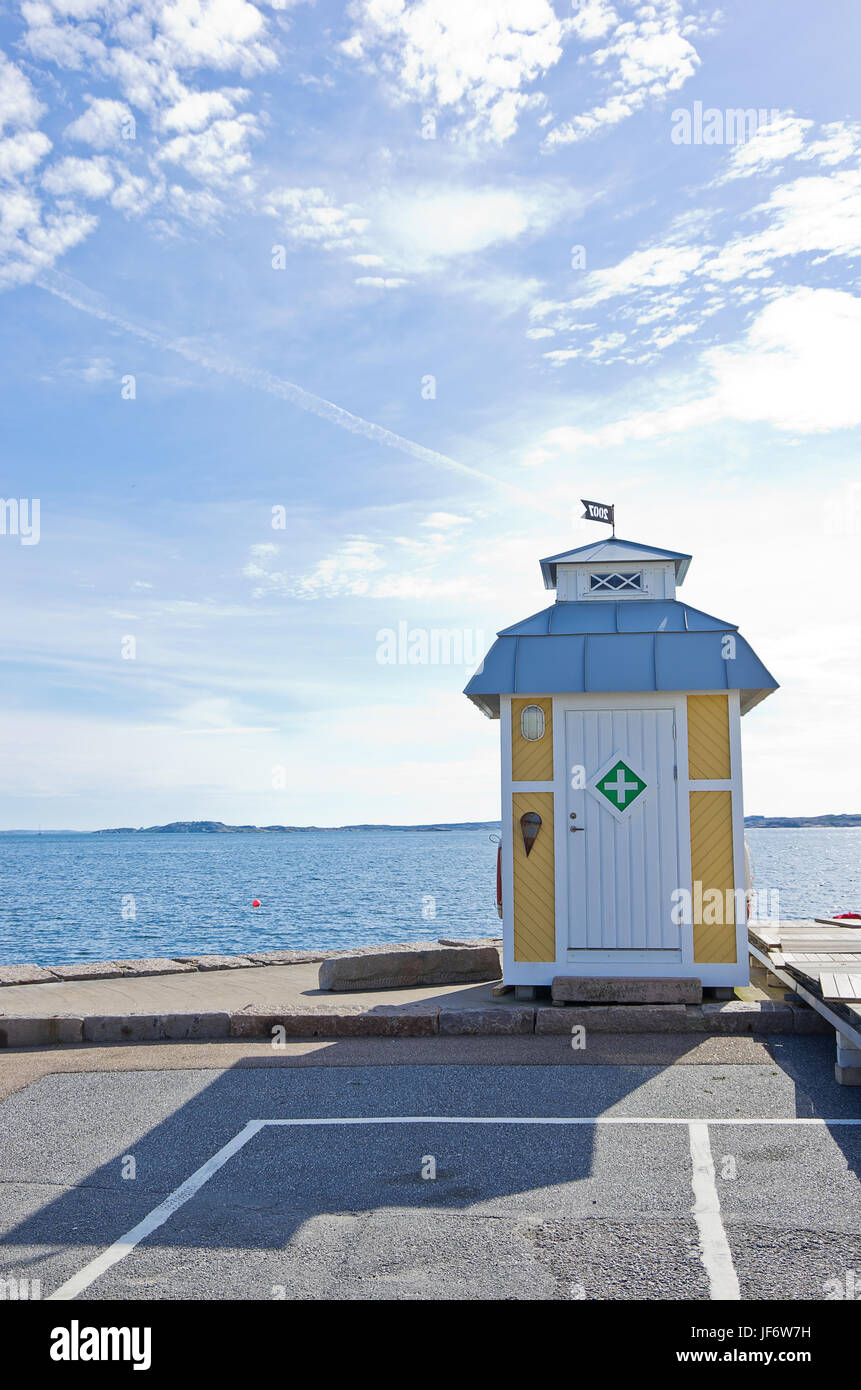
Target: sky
[318,320]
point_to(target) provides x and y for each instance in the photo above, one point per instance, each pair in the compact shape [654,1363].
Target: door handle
[575,828]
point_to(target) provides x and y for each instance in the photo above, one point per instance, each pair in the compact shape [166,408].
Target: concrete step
[624,989]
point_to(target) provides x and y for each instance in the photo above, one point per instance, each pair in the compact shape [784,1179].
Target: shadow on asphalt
[287,1175]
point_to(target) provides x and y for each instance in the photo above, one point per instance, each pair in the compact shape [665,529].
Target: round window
[532,723]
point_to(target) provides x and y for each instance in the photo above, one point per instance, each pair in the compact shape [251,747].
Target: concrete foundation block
[754,1016]
[806,1020]
[625,989]
[40,1032]
[109,1028]
[411,965]
[847,1076]
[472,1022]
[848,1055]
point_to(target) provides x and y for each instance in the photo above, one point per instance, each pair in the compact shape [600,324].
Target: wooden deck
[821,960]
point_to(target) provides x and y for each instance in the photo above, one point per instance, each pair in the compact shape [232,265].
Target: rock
[491,1020]
[408,966]
[37,1032]
[153,965]
[217,962]
[470,941]
[292,957]
[345,1021]
[102,1028]
[625,989]
[25,975]
[88,970]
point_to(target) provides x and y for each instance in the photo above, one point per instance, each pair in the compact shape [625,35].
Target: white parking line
[708,1219]
[156,1218]
[714,1246]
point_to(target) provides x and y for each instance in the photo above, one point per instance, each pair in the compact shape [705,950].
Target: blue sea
[68,898]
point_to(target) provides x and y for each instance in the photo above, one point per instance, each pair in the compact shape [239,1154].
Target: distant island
[777,822]
[217,827]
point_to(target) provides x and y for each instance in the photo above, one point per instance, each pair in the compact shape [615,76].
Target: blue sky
[423,275]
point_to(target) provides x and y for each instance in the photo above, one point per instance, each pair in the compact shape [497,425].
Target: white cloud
[423,227]
[593,19]
[31,242]
[795,370]
[194,110]
[381,282]
[89,178]
[134,194]
[771,144]
[310,215]
[103,124]
[816,214]
[466,60]
[445,521]
[20,153]
[346,571]
[19,105]
[215,155]
[643,60]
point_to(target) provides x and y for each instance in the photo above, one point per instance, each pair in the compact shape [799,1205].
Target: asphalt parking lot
[717,1180]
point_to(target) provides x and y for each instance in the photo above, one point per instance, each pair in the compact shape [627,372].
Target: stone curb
[418,1020]
[29,974]
[498,1020]
[620,1018]
[40,1032]
[347,1021]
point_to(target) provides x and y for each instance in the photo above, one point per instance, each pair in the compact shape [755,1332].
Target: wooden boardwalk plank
[840,985]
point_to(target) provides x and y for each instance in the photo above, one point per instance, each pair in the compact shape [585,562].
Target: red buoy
[256,902]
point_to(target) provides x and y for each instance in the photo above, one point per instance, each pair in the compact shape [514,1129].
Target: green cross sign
[621,786]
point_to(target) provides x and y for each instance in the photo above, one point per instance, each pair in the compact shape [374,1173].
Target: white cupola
[614,569]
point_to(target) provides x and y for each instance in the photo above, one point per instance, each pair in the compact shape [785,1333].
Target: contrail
[80,297]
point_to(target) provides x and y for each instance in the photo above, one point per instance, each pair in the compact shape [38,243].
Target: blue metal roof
[612,615]
[592,647]
[614,550]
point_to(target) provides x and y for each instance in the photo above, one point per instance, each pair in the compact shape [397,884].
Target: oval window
[532,723]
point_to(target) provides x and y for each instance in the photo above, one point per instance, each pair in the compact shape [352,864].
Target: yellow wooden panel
[712,866]
[534,885]
[531,761]
[708,737]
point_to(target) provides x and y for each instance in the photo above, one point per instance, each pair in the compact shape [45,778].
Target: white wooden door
[622,830]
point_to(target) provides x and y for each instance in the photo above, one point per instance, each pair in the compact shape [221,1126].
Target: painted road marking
[122,1247]
[156,1218]
[714,1246]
